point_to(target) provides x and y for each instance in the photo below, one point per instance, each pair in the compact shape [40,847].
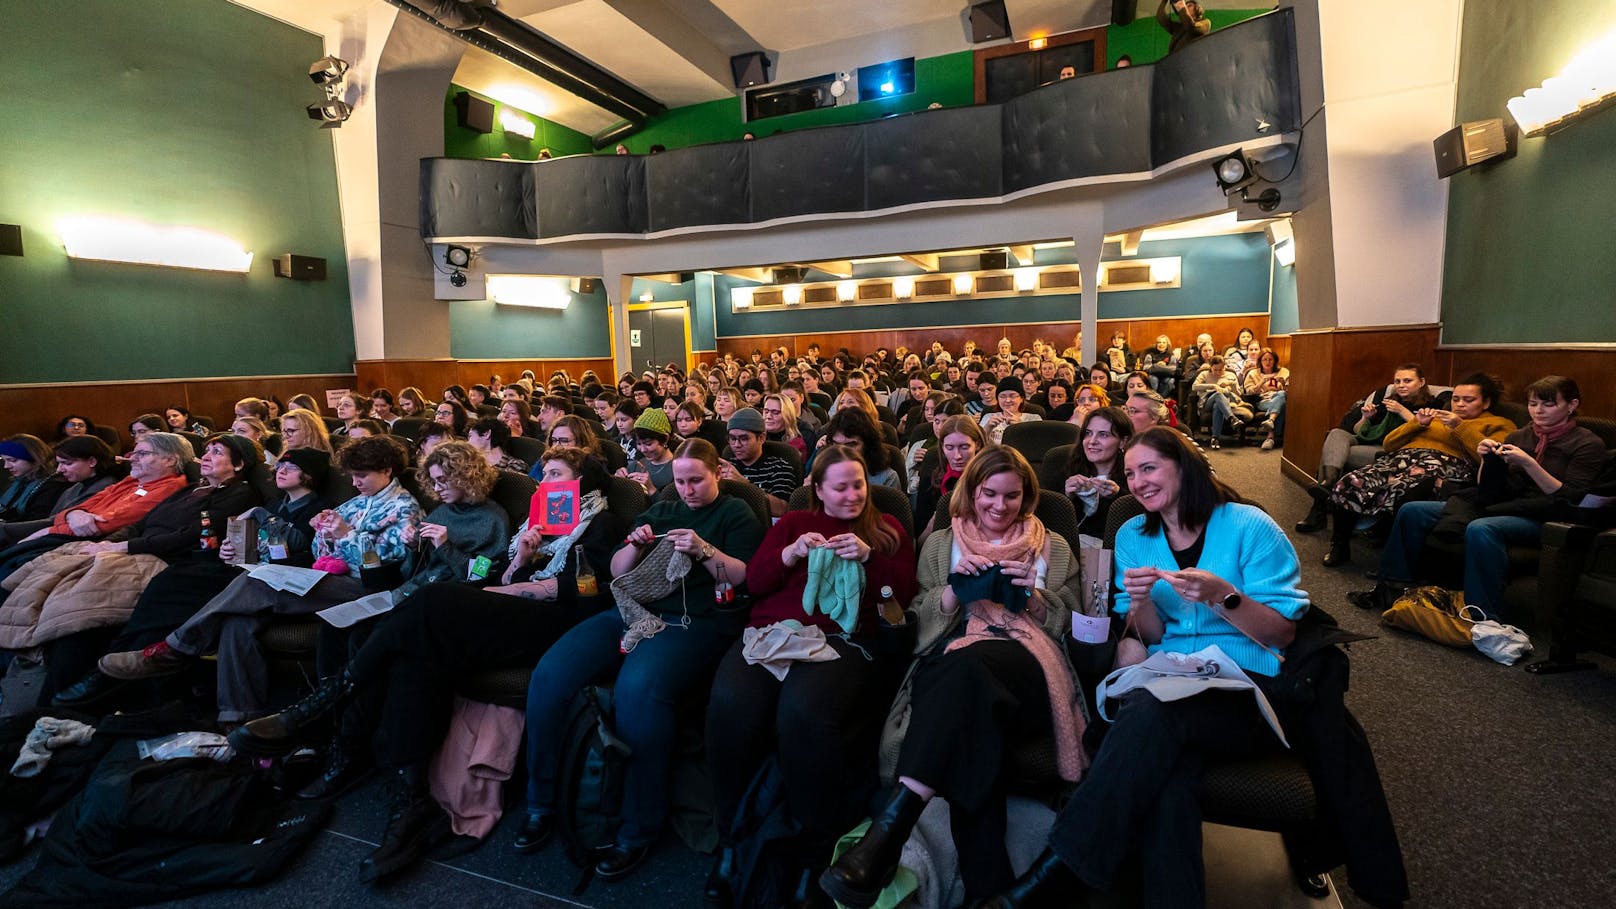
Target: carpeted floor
[1502,784]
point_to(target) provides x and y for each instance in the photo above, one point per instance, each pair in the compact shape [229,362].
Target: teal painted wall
[484,330]
[1282,317]
[1219,275]
[1528,255]
[1146,42]
[175,112]
[460,142]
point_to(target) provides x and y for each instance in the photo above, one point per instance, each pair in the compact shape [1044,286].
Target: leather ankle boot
[1046,885]
[276,733]
[414,823]
[1317,518]
[719,892]
[1340,539]
[859,876]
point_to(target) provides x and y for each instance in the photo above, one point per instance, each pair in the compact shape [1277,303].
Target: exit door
[656,337]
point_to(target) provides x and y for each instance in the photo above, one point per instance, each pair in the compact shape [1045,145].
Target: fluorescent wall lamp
[1026,279]
[791,294]
[741,297]
[516,124]
[903,288]
[1586,83]
[138,243]
[963,284]
[1163,271]
[847,291]
[537,291]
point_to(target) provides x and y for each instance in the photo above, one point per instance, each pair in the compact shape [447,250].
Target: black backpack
[589,780]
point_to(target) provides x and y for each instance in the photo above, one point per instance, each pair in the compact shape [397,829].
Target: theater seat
[887,501]
[1035,438]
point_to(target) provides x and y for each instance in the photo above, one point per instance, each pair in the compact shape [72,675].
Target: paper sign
[634,337]
[333,395]
[1091,629]
[554,509]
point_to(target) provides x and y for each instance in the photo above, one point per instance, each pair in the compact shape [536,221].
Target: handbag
[1503,643]
[1433,613]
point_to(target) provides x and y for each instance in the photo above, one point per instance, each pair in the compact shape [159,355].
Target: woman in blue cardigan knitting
[1199,567]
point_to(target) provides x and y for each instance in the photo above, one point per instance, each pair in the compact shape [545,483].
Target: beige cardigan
[1062,594]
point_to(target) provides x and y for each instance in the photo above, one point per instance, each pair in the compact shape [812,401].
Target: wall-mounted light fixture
[791,294]
[536,291]
[517,125]
[847,291]
[963,284]
[1026,279]
[328,73]
[903,287]
[741,297]
[1164,271]
[138,243]
[1587,83]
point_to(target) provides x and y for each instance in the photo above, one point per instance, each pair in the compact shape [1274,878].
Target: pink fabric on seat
[475,759]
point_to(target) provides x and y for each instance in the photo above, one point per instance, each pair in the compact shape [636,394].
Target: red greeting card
[554,510]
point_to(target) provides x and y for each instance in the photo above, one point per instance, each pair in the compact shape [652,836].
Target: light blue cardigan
[1244,547]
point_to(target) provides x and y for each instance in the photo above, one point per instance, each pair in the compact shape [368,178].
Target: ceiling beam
[928,261]
[1022,253]
[1130,242]
[693,33]
[760,275]
[841,268]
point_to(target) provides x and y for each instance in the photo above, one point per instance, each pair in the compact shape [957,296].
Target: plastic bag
[186,745]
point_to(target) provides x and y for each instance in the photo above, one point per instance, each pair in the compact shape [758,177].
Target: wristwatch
[707,551]
[1232,602]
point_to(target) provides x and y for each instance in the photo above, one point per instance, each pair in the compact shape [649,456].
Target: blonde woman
[304,429]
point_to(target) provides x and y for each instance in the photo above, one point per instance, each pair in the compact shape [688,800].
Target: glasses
[142,453]
[741,437]
[439,482]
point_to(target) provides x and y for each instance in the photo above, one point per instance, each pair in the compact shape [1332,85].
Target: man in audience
[551,409]
[84,461]
[774,474]
[490,436]
[1184,22]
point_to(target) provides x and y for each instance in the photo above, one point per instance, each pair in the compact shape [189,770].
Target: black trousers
[1144,791]
[823,720]
[406,671]
[970,707]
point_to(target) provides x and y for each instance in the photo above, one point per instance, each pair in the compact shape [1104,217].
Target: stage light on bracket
[457,256]
[331,112]
[457,278]
[1234,171]
[326,70]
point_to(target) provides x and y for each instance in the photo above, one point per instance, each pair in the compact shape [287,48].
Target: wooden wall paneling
[433,376]
[1591,367]
[36,409]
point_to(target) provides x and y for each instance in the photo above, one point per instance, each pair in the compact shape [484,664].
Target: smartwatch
[1232,602]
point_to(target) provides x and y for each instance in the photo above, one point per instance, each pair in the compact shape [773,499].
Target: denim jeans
[1487,542]
[1414,521]
[1275,406]
[1219,411]
[651,682]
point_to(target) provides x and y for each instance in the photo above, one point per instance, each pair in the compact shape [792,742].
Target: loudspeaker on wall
[989,21]
[300,268]
[749,69]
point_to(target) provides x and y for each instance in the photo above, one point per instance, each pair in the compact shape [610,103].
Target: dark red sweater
[777,590]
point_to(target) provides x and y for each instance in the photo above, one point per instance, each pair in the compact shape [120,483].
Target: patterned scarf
[1547,437]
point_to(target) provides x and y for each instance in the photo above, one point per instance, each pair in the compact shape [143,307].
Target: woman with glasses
[304,429]
[73,425]
[453,415]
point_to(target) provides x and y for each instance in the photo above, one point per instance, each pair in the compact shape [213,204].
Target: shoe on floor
[157,660]
[88,691]
[1268,444]
[536,831]
[1214,444]
[1339,554]
[617,860]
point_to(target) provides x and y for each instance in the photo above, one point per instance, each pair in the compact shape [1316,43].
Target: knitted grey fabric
[654,578]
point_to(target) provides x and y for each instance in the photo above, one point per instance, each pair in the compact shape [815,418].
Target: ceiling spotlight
[1234,171]
[330,112]
[327,70]
[458,256]
[457,278]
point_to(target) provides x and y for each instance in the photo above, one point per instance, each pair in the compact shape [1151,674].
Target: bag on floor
[1504,643]
[1433,613]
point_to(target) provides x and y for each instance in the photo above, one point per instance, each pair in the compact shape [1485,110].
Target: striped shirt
[771,473]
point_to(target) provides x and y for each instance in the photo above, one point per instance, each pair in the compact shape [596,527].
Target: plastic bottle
[888,607]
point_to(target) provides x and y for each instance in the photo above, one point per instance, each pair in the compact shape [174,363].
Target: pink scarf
[992,622]
[1547,437]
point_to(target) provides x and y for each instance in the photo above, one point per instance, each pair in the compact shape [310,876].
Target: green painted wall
[1528,255]
[177,112]
[459,142]
[1146,42]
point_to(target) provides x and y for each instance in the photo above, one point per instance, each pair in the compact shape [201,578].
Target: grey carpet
[1502,784]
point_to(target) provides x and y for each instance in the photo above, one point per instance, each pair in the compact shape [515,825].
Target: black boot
[859,876]
[1047,884]
[278,732]
[346,763]
[719,893]
[807,894]
[1340,538]
[414,823]
[1379,599]
[89,692]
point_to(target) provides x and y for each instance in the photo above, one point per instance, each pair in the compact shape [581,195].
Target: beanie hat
[747,418]
[1009,383]
[15,450]
[240,447]
[653,419]
[314,463]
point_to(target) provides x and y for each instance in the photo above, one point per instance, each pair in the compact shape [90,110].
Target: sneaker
[157,660]
[1268,444]
[1214,444]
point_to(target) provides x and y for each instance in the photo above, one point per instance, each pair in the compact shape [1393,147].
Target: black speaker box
[995,260]
[1124,11]
[1469,144]
[474,113]
[749,69]
[10,239]
[300,268]
[588,286]
[989,22]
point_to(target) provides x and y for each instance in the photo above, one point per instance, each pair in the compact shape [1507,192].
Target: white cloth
[48,735]
[1175,676]
[775,647]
